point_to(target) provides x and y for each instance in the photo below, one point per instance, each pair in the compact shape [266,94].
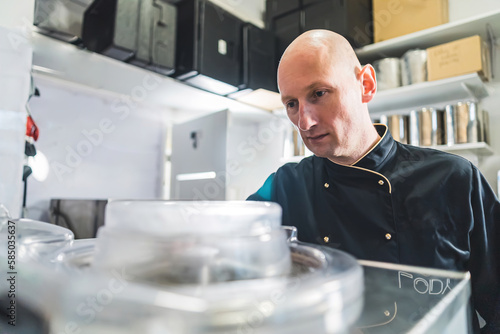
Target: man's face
[323,101]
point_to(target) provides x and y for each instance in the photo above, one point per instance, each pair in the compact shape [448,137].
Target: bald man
[373,197]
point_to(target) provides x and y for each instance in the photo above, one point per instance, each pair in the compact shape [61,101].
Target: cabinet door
[199,146]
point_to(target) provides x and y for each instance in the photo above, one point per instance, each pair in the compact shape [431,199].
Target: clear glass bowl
[35,240]
[192,259]
[323,295]
[188,242]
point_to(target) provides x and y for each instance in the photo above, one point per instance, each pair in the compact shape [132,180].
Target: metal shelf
[469,86]
[395,47]
[481,149]
[478,149]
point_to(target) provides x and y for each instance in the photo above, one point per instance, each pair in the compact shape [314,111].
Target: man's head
[325,91]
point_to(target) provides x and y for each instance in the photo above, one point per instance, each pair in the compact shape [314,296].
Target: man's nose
[306,117]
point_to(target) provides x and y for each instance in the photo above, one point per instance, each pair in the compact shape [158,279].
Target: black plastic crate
[350,18]
[208,44]
[259,67]
[141,32]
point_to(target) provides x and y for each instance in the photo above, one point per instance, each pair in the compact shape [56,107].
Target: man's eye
[291,105]
[319,93]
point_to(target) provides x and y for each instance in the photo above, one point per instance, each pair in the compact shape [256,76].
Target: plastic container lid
[229,218]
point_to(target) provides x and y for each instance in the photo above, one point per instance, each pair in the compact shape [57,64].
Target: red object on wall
[31,128]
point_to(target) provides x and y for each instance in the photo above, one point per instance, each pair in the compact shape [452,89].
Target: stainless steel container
[486,126]
[299,148]
[383,120]
[414,67]
[398,126]
[431,127]
[414,120]
[293,144]
[469,123]
[449,124]
[388,71]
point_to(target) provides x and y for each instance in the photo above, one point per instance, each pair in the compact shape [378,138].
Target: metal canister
[414,128]
[299,147]
[431,127]
[414,67]
[388,71]
[468,123]
[383,119]
[486,126]
[449,124]
[398,126]
[293,144]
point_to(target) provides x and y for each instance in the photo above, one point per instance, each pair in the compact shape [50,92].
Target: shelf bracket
[471,91]
[493,44]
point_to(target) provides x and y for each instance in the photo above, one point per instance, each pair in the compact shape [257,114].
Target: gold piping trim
[367,170]
[364,155]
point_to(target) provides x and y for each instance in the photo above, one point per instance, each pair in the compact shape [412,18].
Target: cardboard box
[393,18]
[463,56]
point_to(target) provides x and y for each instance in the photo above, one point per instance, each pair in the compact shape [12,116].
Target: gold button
[326,239]
[387,313]
[381,182]
[326,185]
[388,236]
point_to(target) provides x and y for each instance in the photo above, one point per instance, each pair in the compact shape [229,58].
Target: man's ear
[369,83]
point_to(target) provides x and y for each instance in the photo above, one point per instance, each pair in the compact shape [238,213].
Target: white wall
[253,152]
[97,144]
[16,13]
[490,165]
[460,9]
[15,67]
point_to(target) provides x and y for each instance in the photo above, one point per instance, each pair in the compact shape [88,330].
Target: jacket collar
[376,156]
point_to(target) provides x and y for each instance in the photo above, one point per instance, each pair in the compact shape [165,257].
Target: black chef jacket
[399,204]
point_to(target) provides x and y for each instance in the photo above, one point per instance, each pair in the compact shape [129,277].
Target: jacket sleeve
[485,252]
[265,193]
